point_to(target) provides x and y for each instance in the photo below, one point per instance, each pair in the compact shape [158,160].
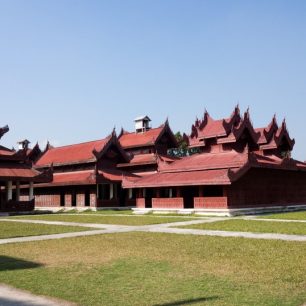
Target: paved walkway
[274,220]
[14,297]
[153,228]
[249,235]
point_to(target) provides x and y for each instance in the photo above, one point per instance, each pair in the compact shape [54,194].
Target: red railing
[168,203]
[210,202]
[140,202]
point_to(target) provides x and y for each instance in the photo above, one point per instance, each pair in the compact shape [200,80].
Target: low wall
[140,203]
[48,200]
[168,203]
[210,202]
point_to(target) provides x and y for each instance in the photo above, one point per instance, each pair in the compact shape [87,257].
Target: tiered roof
[224,166]
[233,129]
[16,166]
[211,169]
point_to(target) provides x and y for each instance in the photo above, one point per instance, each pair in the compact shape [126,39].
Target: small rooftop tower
[142,124]
[23,144]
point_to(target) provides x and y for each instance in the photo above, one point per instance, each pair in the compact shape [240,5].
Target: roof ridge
[156,128]
[80,143]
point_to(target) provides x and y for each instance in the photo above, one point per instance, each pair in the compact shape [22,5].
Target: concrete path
[274,220]
[14,297]
[64,235]
[153,228]
[250,235]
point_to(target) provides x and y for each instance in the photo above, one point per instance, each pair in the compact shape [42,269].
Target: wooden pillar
[31,191]
[225,193]
[157,194]
[201,191]
[97,191]
[178,192]
[17,191]
[9,190]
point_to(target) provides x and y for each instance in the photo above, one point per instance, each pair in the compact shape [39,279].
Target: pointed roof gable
[4,130]
[209,128]
[71,154]
[147,138]
[236,133]
[79,153]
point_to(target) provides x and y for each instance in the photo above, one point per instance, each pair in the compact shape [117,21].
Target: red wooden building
[239,168]
[89,175]
[16,171]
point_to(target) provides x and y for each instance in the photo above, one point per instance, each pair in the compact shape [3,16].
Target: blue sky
[72,70]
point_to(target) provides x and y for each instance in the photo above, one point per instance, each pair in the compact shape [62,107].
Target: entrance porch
[11,199]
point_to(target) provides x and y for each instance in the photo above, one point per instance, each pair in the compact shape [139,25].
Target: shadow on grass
[189,302]
[12,302]
[11,263]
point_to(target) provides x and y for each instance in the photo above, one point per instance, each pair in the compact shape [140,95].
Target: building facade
[16,172]
[89,175]
[238,168]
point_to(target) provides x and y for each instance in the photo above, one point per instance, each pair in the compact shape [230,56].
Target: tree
[182,149]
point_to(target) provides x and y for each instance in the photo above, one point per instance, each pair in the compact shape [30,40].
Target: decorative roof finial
[284,124]
[247,113]
[114,131]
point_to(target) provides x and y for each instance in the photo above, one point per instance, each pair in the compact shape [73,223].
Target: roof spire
[284,124]
[114,131]
[237,109]
[167,121]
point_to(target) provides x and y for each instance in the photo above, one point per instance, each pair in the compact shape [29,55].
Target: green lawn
[297,215]
[17,229]
[99,212]
[159,269]
[238,225]
[103,219]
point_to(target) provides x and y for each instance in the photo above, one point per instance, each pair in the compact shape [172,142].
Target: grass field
[100,212]
[297,215]
[103,219]
[159,269]
[16,229]
[293,228]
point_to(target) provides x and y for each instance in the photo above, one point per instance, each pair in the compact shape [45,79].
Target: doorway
[188,194]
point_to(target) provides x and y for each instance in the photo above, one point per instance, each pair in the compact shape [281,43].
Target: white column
[9,190]
[170,193]
[17,191]
[130,193]
[31,191]
[111,191]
